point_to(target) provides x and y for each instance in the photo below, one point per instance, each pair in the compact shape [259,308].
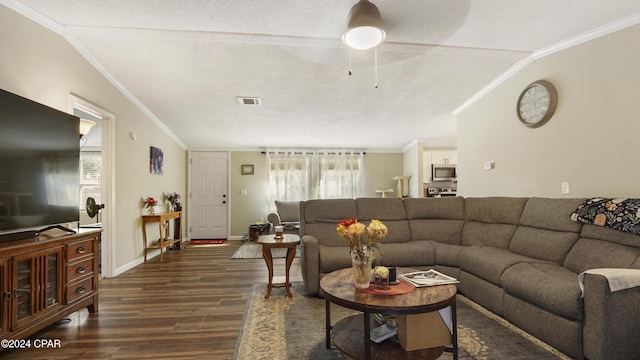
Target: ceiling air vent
[255,101]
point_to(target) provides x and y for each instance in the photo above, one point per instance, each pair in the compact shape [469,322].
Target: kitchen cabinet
[430,157]
[444,157]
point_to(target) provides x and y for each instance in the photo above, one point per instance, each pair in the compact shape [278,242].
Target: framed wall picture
[156,158]
[246,169]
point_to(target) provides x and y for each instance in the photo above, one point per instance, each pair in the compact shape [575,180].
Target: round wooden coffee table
[289,242]
[351,335]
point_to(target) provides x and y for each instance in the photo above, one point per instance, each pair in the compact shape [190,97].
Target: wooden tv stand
[45,278]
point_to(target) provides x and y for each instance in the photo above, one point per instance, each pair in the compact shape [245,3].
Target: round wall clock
[536,103]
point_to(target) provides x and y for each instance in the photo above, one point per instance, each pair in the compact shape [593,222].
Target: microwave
[443,172]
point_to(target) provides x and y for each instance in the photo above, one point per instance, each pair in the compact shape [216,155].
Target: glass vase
[361,264]
[382,283]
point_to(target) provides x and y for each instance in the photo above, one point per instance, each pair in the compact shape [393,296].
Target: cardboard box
[422,331]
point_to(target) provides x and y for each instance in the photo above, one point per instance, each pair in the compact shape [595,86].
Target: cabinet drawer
[80,269]
[80,249]
[80,289]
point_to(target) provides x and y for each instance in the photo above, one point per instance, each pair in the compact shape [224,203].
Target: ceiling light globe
[364,37]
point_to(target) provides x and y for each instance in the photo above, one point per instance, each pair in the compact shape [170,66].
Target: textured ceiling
[187,61]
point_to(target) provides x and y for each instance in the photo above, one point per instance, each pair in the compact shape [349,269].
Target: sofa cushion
[552,214]
[491,221]
[333,258]
[416,253]
[504,210]
[542,244]
[483,234]
[593,253]
[441,230]
[548,286]
[337,257]
[435,208]
[447,254]
[397,232]
[289,211]
[489,263]
[388,210]
[616,236]
[383,209]
[326,234]
[329,211]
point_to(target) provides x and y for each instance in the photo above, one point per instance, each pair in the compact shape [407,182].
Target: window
[90,177]
[302,175]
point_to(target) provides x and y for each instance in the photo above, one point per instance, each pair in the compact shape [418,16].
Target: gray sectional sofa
[518,257]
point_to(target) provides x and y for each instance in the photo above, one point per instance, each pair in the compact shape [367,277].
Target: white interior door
[209,200]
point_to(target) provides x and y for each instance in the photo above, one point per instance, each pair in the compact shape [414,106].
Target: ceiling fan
[364,26]
[364,31]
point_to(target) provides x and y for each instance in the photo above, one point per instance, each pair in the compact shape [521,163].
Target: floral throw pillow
[618,214]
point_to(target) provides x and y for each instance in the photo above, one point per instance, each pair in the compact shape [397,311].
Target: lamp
[365,27]
[85,127]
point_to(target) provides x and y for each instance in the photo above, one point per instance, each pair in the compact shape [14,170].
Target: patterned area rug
[252,250]
[293,328]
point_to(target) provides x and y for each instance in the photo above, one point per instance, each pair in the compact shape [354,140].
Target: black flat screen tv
[39,166]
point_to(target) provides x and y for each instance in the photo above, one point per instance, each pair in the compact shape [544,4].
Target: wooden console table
[164,242]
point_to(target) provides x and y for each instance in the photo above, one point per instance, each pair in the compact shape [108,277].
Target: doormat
[208,242]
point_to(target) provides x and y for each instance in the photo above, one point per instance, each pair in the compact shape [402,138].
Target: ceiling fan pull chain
[375,65]
[349,61]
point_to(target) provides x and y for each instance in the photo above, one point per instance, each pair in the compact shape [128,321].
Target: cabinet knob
[81,250]
[81,269]
[7,295]
[80,290]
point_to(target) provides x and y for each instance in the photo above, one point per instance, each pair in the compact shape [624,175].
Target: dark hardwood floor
[189,307]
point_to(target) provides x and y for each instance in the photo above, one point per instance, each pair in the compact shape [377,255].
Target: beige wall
[247,209]
[379,170]
[591,141]
[41,65]
[413,154]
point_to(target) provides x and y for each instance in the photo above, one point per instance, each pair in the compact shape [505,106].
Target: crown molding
[84,52]
[549,50]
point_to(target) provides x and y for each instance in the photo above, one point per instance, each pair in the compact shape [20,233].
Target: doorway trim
[108,180]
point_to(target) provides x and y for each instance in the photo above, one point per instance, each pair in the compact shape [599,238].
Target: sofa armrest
[274,218]
[611,326]
[310,263]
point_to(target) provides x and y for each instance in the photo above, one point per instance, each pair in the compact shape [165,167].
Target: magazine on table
[428,278]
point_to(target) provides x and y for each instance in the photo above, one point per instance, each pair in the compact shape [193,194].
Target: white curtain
[288,176]
[303,175]
[339,175]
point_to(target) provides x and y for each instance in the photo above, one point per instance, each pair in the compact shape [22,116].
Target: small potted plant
[150,203]
[174,201]
[381,274]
